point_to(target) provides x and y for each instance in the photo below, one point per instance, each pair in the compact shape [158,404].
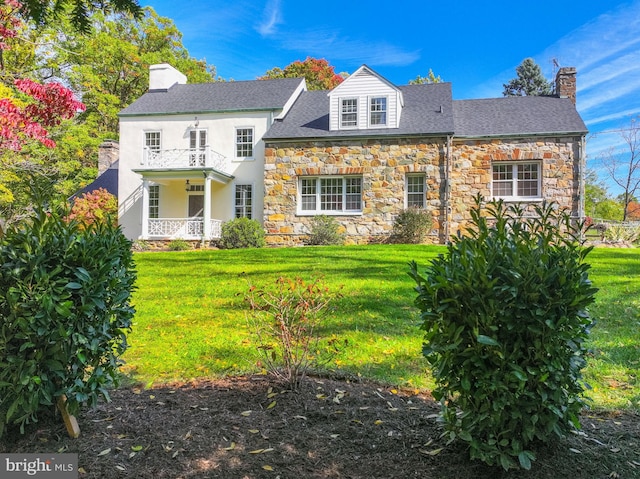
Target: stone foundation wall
[384,165]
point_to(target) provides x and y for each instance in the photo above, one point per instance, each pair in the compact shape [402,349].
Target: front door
[196,206]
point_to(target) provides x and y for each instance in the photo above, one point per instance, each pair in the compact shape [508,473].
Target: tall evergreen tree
[530,81]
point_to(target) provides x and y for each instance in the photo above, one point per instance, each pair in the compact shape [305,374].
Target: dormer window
[378,111]
[349,113]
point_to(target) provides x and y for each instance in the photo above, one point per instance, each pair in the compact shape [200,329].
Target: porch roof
[184,174]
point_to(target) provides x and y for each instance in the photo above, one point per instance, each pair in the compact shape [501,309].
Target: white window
[244,142]
[152,140]
[154,201]
[378,111]
[334,194]
[197,147]
[416,189]
[516,180]
[348,112]
[244,201]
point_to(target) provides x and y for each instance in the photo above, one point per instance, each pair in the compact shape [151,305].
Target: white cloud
[272,17]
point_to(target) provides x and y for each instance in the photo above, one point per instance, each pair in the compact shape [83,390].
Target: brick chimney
[566,83]
[108,154]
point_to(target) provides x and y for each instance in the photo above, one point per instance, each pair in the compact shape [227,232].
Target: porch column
[206,213]
[145,208]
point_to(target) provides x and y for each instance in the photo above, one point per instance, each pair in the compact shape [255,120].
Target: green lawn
[191,318]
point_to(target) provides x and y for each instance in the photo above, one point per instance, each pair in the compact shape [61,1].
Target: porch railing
[186,158]
[182,228]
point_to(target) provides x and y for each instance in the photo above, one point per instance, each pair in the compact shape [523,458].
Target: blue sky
[473,45]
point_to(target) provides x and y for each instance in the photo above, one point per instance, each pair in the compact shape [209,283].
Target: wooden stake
[70,421]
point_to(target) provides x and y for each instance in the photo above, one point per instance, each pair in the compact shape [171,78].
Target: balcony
[184,159]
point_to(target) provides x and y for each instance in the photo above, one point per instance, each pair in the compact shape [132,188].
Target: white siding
[364,85]
[221,135]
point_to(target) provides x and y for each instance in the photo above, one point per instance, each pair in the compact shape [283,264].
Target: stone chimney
[108,154]
[566,83]
[163,76]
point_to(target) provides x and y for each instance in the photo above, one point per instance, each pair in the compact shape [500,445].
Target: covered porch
[178,203]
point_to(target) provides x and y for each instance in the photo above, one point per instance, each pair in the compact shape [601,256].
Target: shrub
[95,206]
[242,233]
[505,321]
[179,245]
[285,320]
[411,226]
[64,310]
[324,231]
[622,233]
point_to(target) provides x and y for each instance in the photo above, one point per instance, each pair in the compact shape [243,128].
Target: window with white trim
[416,189]
[244,201]
[244,142]
[154,201]
[334,194]
[378,111]
[197,147]
[152,140]
[348,112]
[517,180]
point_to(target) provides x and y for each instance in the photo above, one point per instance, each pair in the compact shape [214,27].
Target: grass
[191,317]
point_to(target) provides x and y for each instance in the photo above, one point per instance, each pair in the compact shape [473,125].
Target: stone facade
[384,164]
[471,171]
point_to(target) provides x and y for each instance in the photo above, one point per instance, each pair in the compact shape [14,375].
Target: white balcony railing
[183,228]
[186,158]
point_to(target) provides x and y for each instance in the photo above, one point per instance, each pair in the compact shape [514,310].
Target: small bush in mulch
[254,428]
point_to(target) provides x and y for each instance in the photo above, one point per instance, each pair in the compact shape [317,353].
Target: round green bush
[324,231]
[242,233]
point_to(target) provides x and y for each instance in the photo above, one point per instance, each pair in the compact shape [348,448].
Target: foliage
[179,245]
[286,322]
[621,233]
[28,107]
[318,74]
[65,311]
[95,206]
[43,12]
[242,233]
[325,230]
[505,321]
[530,81]
[633,211]
[430,78]
[140,245]
[411,226]
[609,209]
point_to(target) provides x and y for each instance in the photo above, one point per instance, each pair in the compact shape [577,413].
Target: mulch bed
[254,428]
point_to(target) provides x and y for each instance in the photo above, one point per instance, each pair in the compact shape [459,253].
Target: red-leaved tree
[33,107]
[317,72]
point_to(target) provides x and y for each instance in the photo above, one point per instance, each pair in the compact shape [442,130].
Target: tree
[318,74]
[530,81]
[623,166]
[79,11]
[430,78]
[28,107]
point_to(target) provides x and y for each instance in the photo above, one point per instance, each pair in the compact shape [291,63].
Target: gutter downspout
[447,187]
[581,176]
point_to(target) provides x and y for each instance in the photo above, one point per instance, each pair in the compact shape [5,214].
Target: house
[194,156]
[108,154]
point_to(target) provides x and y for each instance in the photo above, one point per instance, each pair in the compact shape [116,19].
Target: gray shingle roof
[520,115]
[215,97]
[309,116]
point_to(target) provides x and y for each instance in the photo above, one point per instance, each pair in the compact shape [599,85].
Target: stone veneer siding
[471,171]
[384,165]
